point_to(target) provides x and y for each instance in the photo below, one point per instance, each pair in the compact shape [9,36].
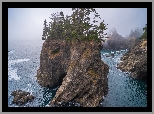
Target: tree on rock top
[74,27]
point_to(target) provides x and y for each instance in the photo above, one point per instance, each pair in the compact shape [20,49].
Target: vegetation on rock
[144,35]
[74,27]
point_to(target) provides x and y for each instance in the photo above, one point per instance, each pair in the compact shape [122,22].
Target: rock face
[21,97]
[135,61]
[78,68]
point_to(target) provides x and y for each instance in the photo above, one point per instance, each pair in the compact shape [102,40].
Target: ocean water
[24,61]
[124,91]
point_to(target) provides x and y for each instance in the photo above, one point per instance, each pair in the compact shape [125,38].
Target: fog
[27,23]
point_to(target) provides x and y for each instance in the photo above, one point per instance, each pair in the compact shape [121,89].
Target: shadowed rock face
[21,97]
[78,69]
[135,61]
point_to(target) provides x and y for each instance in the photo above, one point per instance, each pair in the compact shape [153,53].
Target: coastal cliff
[76,67]
[135,61]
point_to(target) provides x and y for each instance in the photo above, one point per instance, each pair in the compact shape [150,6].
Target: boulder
[21,97]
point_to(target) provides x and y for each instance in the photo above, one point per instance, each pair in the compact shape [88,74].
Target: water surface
[24,61]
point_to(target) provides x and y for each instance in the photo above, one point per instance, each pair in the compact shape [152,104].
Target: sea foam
[12,73]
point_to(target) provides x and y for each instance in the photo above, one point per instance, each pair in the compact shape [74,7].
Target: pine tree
[44,30]
[75,27]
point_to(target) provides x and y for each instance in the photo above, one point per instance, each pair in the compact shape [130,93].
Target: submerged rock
[135,61]
[78,69]
[21,97]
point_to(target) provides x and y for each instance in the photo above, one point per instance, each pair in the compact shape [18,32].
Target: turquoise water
[24,61]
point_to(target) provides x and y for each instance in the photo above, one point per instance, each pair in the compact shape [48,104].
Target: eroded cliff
[135,61]
[77,68]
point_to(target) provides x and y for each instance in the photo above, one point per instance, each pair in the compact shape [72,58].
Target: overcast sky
[27,23]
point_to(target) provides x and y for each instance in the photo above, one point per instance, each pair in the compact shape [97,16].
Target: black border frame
[6,5]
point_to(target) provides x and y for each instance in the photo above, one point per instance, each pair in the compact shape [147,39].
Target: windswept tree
[76,27]
[44,30]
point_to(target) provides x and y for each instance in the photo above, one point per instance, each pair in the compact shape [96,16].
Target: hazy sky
[27,23]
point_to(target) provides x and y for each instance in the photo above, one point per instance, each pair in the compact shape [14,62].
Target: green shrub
[77,26]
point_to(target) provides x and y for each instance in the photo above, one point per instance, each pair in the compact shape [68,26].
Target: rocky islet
[21,97]
[78,69]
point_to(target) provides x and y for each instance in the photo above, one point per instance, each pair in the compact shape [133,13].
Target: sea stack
[78,70]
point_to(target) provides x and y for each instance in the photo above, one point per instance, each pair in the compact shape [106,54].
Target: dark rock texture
[21,97]
[135,61]
[78,69]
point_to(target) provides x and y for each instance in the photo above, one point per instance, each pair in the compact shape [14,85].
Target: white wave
[112,52]
[18,61]
[122,50]
[47,105]
[10,52]
[12,73]
[106,54]
[118,52]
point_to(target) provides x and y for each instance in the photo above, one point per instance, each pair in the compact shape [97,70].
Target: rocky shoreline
[77,68]
[135,61]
